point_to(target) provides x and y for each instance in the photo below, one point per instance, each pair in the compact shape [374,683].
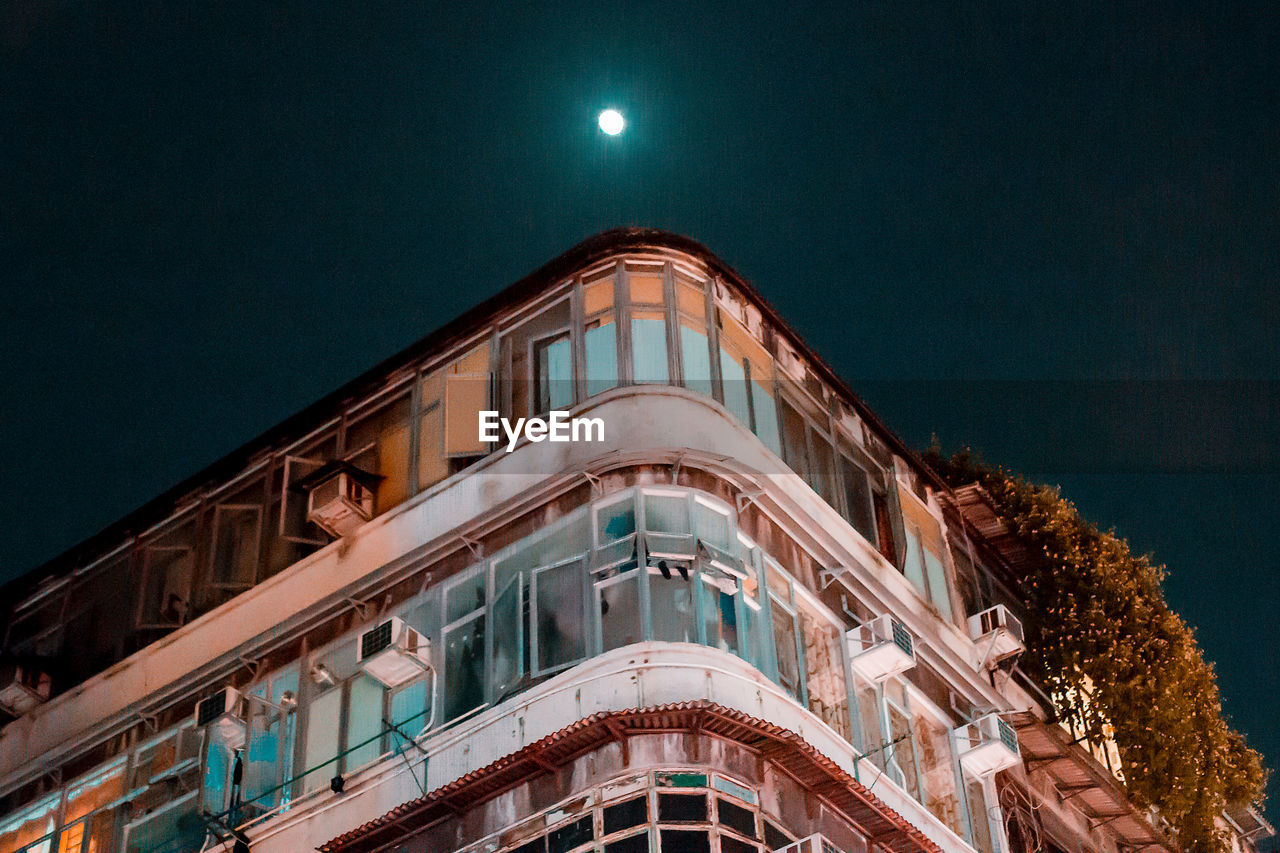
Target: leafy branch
[1096,615]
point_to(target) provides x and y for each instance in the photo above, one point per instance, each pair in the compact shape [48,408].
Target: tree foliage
[1096,611]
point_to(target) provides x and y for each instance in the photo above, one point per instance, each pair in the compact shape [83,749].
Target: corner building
[747,620]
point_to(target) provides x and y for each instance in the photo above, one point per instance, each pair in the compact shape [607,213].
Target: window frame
[537,345]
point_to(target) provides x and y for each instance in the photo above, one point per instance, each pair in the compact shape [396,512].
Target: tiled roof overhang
[1048,748]
[978,509]
[786,750]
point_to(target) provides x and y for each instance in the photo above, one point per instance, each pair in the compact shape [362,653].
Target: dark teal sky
[212,214]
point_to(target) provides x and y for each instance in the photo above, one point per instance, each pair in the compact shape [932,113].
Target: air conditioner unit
[815,843]
[880,648]
[988,745]
[22,687]
[339,497]
[997,633]
[394,653]
[222,716]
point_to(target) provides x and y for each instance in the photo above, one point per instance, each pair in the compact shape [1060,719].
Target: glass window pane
[69,839]
[937,771]
[857,498]
[364,722]
[766,412]
[626,814]
[619,612]
[90,794]
[719,617]
[597,297]
[685,840]
[569,538]
[507,668]
[691,299]
[729,844]
[824,671]
[235,548]
[755,634]
[571,835]
[822,476]
[869,722]
[218,762]
[795,451]
[432,464]
[695,356]
[884,527]
[733,378]
[553,374]
[737,818]
[36,821]
[560,628]
[682,808]
[381,440]
[721,783]
[464,597]
[176,826]
[774,837]
[638,843]
[463,668]
[668,513]
[978,823]
[410,710]
[937,575]
[649,347]
[713,525]
[322,737]
[615,521]
[523,358]
[913,565]
[671,604]
[537,845]
[646,287]
[601,342]
[466,394]
[264,756]
[784,640]
[616,553]
[168,574]
[102,829]
[903,750]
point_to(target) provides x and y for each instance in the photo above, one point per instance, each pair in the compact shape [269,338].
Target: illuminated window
[648,326]
[600,337]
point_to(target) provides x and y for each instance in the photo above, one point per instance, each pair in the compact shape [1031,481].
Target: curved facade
[670,638]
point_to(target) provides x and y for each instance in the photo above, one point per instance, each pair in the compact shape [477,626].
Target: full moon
[611,122]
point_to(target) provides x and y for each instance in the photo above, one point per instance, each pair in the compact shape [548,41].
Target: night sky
[1051,235]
